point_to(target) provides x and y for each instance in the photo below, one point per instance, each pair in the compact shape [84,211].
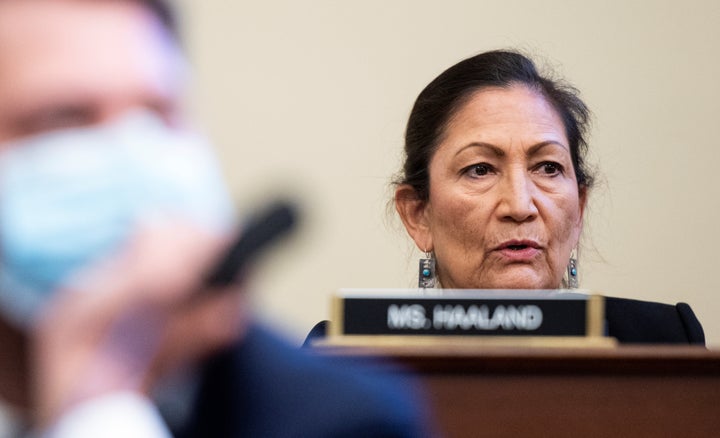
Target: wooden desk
[538,392]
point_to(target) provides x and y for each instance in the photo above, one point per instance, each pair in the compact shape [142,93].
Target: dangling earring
[572,271]
[426,277]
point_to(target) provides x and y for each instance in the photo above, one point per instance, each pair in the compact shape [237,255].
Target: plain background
[309,99]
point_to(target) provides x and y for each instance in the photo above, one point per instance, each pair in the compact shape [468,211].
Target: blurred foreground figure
[112,211]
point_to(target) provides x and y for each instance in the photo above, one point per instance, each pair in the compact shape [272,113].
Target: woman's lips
[519,250]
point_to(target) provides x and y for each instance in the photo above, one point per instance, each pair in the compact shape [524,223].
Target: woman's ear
[583,193]
[582,202]
[412,211]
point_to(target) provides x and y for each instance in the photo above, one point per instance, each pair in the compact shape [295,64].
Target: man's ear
[412,211]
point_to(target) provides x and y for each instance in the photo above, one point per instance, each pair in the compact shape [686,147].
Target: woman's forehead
[498,115]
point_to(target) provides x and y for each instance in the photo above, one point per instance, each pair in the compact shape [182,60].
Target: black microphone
[260,231]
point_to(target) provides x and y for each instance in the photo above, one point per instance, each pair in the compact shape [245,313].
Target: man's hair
[165,12]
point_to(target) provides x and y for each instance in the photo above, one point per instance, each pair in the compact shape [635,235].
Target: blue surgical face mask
[71,198]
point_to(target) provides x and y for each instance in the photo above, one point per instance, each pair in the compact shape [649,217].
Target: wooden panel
[469,406]
[625,391]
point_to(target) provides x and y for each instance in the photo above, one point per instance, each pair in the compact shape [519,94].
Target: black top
[630,322]
[646,322]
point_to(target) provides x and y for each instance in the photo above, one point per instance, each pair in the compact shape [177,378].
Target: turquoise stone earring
[426,277]
[572,271]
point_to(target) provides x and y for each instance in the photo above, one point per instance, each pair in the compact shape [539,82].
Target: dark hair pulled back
[446,94]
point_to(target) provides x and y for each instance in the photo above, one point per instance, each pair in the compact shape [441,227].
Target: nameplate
[467,313]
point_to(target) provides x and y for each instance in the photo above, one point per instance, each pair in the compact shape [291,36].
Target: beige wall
[311,97]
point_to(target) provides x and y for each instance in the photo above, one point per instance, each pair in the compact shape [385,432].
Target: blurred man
[90,95]
[112,211]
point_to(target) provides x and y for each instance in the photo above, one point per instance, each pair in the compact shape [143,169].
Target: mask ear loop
[427,274]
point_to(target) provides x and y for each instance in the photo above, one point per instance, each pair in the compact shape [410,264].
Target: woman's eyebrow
[534,149]
[498,152]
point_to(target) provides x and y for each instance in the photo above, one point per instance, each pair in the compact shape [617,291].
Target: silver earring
[426,275]
[572,271]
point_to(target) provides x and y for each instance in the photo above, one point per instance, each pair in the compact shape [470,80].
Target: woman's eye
[549,168]
[481,169]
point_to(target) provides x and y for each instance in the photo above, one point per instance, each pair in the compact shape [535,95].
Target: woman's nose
[516,198]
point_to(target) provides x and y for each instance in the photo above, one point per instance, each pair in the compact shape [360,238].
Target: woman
[494,188]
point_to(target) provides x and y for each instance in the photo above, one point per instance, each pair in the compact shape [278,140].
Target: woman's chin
[518,279]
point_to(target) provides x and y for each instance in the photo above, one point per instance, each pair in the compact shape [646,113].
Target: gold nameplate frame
[379,317]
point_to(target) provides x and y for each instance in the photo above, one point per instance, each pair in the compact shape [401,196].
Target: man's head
[95,162]
[73,63]
[93,143]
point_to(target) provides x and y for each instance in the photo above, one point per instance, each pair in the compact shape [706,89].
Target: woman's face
[504,209]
